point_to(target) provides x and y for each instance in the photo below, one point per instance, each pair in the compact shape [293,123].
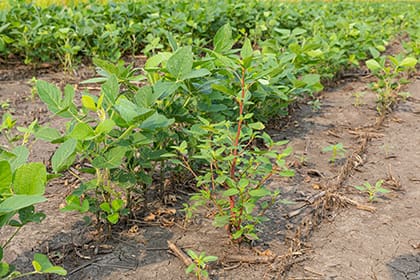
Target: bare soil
[325,234]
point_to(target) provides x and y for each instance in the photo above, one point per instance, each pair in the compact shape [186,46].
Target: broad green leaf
[22,154]
[311,79]
[17,202]
[113,218]
[190,268]
[5,178]
[261,192]
[37,266]
[64,155]
[223,39]
[112,159]
[104,127]
[230,192]
[30,179]
[192,254]
[105,207]
[74,203]
[111,90]
[47,134]
[4,269]
[373,65]
[409,62]
[180,63]
[42,261]
[156,121]
[198,73]
[130,112]
[287,173]
[88,103]
[82,131]
[117,204]
[50,95]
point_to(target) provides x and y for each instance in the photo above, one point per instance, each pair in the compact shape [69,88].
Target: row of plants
[320,36]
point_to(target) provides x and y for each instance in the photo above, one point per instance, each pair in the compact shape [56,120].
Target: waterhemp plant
[22,186]
[199,265]
[389,71]
[337,150]
[236,168]
[372,191]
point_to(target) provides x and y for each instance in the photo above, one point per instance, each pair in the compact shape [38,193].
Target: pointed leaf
[223,39]
[180,63]
[373,65]
[64,155]
[409,62]
[17,202]
[5,177]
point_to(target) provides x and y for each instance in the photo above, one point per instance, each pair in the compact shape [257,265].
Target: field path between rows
[386,244]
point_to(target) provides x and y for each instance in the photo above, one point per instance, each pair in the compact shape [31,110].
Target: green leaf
[230,192]
[74,203]
[88,103]
[47,134]
[360,188]
[112,159]
[130,112]
[311,79]
[30,179]
[37,266]
[261,192]
[246,50]
[256,126]
[221,221]
[156,121]
[105,207]
[196,74]
[287,173]
[50,95]
[82,131]
[5,178]
[4,269]
[180,63]
[113,218]
[223,39]
[64,155]
[373,65]
[117,204]
[208,259]
[104,127]
[111,91]
[56,270]
[17,202]
[192,254]
[22,154]
[409,62]
[190,268]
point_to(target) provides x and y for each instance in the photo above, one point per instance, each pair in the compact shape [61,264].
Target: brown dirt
[347,244]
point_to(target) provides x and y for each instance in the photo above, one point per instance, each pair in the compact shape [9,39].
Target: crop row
[334,32]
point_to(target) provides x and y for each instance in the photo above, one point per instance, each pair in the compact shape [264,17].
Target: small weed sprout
[372,191]
[336,150]
[358,98]
[199,265]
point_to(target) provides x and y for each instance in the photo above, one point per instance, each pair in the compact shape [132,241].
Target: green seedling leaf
[130,112]
[22,154]
[74,203]
[180,63]
[5,178]
[112,159]
[82,132]
[208,259]
[156,121]
[17,202]
[89,103]
[30,179]
[246,50]
[409,62]
[192,254]
[190,268]
[105,207]
[47,134]
[256,126]
[199,73]
[4,269]
[117,204]
[113,218]
[41,263]
[111,91]
[104,127]
[64,155]
[373,65]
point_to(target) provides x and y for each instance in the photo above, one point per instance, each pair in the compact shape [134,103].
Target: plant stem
[11,237]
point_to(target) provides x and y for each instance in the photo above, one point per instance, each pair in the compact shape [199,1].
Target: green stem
[11,237]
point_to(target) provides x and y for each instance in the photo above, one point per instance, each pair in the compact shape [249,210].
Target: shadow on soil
[86,258]
[405,267]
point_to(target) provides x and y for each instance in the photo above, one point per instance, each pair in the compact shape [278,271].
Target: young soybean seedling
[336,150]
[199,265]
[372,191]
